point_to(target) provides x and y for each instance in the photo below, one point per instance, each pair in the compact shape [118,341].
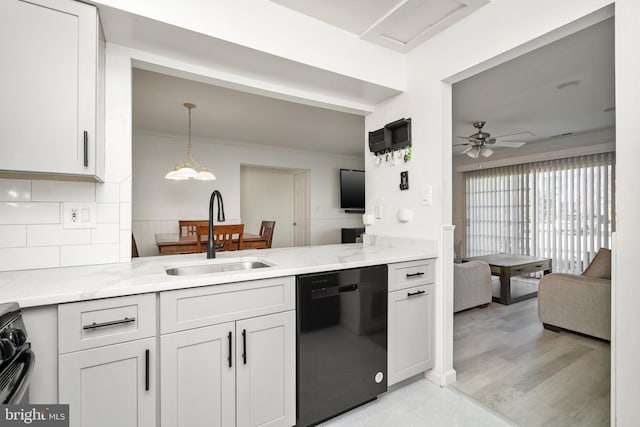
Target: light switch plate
[79,215]
[378,211]
[426,195]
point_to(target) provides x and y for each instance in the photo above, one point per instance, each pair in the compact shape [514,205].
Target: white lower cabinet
[266,370]
[236,373]
[411,305]
[110,386]
[411,340]
[198,377]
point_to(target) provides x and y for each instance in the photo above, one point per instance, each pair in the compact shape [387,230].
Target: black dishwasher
[341,341]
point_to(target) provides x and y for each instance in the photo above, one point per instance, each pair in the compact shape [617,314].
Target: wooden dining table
[174,243]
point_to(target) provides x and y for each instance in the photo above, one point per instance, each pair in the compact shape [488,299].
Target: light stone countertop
[142,275]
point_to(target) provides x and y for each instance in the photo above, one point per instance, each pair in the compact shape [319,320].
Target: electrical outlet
[79,215]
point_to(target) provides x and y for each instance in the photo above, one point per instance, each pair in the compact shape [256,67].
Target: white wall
[158,203]
[626,292]
[268,27]
[509,28]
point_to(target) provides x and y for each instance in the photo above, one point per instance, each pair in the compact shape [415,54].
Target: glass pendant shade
[189,168]
[486,151]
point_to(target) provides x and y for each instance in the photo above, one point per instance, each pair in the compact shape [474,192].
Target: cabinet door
[198,377]
[106,386]
[266,370]
[411,334]
[48,86]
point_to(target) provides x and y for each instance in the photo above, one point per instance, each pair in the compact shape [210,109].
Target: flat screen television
[352,190]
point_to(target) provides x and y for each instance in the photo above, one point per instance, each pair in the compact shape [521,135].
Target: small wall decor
[392,143]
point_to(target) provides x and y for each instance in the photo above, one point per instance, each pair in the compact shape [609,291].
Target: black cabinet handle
[95,325]
[86,148]
[146,370]
[411,294]
[230,343]
[244,346]
[419,273]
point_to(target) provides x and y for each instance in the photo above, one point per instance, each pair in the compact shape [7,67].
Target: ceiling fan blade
[463,143]
[517,133]
[510,144]
[466,150]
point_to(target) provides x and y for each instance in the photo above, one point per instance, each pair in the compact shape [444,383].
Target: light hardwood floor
[505,360]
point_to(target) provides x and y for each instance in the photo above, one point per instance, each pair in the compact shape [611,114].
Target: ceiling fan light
[486,151]
[473,153]
[205,175]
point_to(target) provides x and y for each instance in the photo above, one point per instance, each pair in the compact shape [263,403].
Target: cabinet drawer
[406,274]
[193,308]
[88,324]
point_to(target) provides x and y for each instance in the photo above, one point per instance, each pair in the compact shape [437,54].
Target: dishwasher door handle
[348,288]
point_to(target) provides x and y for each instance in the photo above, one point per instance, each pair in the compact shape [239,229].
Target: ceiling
[400,25]
[522,95]
[231,115]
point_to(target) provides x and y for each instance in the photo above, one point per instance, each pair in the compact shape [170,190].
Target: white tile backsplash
[29,258]
[107,193]
[56,235]
[105,233]
[31,230]
[29,213]
[125,190]
[125,215]
[108,213]
[89,254]
[13,236]
[62,191]
[15,190]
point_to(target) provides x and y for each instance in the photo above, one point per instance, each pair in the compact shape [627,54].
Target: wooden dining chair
[228,235]
[266,230]
[190,227]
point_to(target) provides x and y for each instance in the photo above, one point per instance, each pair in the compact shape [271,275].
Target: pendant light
[186,169]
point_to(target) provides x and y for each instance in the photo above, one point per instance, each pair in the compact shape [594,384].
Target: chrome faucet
[211,242]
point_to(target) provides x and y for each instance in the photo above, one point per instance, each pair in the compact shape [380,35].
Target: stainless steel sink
[217,267]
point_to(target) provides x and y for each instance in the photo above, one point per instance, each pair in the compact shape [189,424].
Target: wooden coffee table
[506,266]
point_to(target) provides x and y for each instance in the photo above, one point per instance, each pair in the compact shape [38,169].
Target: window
[560,209]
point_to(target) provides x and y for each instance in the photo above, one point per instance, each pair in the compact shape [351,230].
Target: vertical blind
[560,209]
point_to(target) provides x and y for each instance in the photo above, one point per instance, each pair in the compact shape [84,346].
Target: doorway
[276,194]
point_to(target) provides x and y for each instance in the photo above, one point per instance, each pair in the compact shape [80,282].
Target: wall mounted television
[352,190]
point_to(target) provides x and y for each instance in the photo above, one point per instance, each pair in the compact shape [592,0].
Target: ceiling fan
[479,141]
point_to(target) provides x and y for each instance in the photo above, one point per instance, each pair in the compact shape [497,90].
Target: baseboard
[437,379]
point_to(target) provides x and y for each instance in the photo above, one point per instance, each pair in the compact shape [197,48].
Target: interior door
[301,209]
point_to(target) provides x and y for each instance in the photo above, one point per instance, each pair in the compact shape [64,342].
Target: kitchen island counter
[32,288]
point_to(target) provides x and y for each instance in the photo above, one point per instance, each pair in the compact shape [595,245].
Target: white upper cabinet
[52,85]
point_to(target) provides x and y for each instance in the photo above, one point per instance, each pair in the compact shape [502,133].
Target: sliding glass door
[561,209]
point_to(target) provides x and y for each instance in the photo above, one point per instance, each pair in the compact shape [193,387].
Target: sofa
[578,303]
[471,285]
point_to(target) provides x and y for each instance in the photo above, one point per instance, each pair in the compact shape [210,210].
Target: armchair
[471,285]
[578,303]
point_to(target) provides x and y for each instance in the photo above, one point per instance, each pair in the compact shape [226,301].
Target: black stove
[16,357]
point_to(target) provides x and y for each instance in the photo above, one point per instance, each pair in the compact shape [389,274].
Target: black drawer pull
[244,346]
[95,325]
[230,343]
[146,370]
[419,273]
[86,148]
[411,294]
